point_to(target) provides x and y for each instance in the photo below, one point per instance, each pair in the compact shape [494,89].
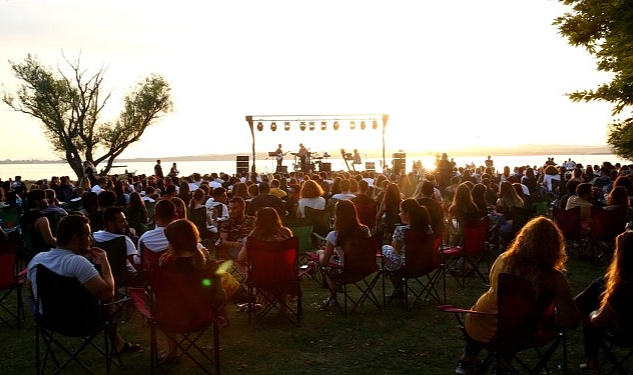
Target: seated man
[266,199]
[115,226]
[68,259]
[154,240]
[582,199]
[235,228]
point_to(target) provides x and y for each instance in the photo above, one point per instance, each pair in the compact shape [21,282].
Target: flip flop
[128,347]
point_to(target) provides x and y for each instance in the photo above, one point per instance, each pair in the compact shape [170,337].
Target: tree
[69,107]
[605,29]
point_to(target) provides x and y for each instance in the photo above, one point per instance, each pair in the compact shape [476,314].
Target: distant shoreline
[556,150]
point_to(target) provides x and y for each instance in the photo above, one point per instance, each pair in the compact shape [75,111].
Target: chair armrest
[458,310]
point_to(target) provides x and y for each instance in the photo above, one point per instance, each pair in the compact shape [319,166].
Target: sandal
[128,347]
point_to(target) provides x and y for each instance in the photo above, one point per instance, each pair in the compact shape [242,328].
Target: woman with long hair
[387,216]
[347,228]
[240,190]
[310,195]
[136,213]
[414,218]
[184,192]
[607,304]
[181,208]
[538,256]
[268,227]
[462,209]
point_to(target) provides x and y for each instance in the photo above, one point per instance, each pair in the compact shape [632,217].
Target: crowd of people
[187,221]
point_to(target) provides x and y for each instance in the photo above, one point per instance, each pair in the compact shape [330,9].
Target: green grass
[395,341]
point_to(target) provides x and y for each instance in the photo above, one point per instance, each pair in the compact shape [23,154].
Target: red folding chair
[472,252]
[360,272]
[422,268]
[274,277]
[184,306]
[568,221]
[11,280]
[606,225]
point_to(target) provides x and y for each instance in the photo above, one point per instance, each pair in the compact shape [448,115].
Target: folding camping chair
[472,252]
[359,273]
[422,268]
[524,321]
[11,280]
[274,277]
[184,305]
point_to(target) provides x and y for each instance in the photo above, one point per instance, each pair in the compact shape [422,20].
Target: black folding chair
[64,307]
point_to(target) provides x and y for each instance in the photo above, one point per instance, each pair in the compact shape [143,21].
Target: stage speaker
[370,166]
[282,169]
[241,164]
[400,155]
[399,166]
[325,167]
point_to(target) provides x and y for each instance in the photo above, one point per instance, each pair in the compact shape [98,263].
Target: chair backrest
[366,208]
[53,219]
[475,233]
[10,216]
[421,253]
[360,258]
[116,250]
[321,220]
[607,224]
[8,264]
[304,233]
[521,313]
[149,206]
[199,217]
[66,306]
[521,216]
[149,259]
[273,265]
[184,302]
[568,221]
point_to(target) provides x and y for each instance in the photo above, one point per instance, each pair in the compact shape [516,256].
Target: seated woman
[268,227]
[537,255]
[612,299]
[347,229]
[415,218]
[460,211]
[184,255]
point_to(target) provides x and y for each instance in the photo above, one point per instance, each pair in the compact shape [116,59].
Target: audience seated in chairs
[538,256]
[607,305]
[35,227]
[68,259]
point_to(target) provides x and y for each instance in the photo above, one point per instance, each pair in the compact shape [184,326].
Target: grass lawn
[395,341]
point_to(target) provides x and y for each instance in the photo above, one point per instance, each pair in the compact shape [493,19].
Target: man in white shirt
[154,240]
[115,225]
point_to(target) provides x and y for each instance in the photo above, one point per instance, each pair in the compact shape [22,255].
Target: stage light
[273,126]
[312,125]
[302,125]
[362,125]
[335,125]
[323,125]
[374,124]
[287,125]
[352,125]
[260,126]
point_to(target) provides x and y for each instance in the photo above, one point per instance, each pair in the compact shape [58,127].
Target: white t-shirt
[103,236]
[317,203]
[63,262]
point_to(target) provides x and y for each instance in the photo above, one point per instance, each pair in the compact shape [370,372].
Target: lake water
[46,170]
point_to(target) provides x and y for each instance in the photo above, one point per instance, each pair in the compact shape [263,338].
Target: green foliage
[69,107]
[605,30]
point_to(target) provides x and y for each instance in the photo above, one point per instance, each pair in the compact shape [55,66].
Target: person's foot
[590,364]
[128,347]
[467,367]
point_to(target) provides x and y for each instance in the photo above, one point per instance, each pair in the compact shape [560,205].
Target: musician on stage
[303,157]
[280,157]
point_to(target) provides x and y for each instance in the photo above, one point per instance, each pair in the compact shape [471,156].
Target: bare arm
[325,256]
[43,227]
[567,312]
[603,317]
[101,286]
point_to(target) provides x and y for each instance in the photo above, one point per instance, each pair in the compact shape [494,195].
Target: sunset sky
[451,74]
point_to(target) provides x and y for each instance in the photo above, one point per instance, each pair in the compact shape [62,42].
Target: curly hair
[620,270]
[311,189]
[538,249]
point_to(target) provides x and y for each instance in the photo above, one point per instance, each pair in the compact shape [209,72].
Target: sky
[451,74]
